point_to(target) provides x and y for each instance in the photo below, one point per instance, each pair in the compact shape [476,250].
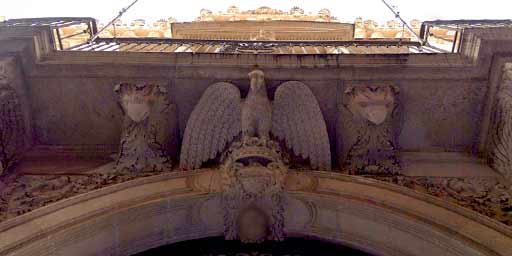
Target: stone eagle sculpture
[222,115]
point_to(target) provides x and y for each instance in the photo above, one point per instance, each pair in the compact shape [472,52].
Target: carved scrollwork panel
[12,126]
[253,175]
[368,128]
[485,195]
[143,140]
[29,192]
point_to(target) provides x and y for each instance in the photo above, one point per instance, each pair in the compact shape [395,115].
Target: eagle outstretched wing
[214,122]
[501,154]
[298,120]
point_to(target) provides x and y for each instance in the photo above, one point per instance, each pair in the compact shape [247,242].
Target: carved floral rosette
[139,148]
[253,172]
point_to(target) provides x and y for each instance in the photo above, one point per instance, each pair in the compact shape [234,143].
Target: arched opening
[216,246]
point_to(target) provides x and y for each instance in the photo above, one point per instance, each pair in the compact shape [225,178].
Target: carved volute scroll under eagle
[222,115]
[368,129]
[142,146]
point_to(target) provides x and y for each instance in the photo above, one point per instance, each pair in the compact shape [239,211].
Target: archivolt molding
[147,212]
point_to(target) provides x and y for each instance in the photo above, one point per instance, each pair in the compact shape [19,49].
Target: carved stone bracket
[501,134]
[141,147]
[12,126]
[253,173]
[368,129]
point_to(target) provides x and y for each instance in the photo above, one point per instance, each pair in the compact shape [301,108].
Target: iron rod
[397,15]
[112,21]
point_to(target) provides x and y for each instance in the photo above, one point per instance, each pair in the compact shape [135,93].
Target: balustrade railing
[451,31]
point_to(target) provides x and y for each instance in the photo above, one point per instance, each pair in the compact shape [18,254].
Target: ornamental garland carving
[368,129]
[142,145]
[485,195]
[29,192]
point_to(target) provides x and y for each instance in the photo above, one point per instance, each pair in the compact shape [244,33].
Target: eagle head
[257,80]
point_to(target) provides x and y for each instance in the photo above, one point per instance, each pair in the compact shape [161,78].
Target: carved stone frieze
[142,144]
[12,127]
[501,134]
[30,192]
[485,195]
[253,173]
[368,129]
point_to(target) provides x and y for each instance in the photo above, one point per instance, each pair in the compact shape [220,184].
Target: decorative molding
[143,141]
[368,129]
[253,175]
[486,195]
[12,122]
[29,192]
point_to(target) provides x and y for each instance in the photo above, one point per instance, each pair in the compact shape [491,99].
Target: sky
[188,10]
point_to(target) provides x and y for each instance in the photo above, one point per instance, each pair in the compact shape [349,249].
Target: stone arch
[365,214]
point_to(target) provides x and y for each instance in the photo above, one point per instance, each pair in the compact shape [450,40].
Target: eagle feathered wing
[298,120]
[214,122]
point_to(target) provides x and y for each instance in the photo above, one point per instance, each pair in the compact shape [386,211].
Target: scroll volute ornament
[140,148]
[368,127]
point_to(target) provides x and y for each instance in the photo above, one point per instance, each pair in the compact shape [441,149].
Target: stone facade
[255,137]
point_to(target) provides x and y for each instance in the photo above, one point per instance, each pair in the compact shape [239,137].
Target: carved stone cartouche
[368,129]
[139,148]
[253,173]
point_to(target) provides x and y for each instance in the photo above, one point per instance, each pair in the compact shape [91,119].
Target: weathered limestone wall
[77,106]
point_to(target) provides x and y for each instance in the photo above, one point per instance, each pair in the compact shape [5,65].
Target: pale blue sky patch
[188,10]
